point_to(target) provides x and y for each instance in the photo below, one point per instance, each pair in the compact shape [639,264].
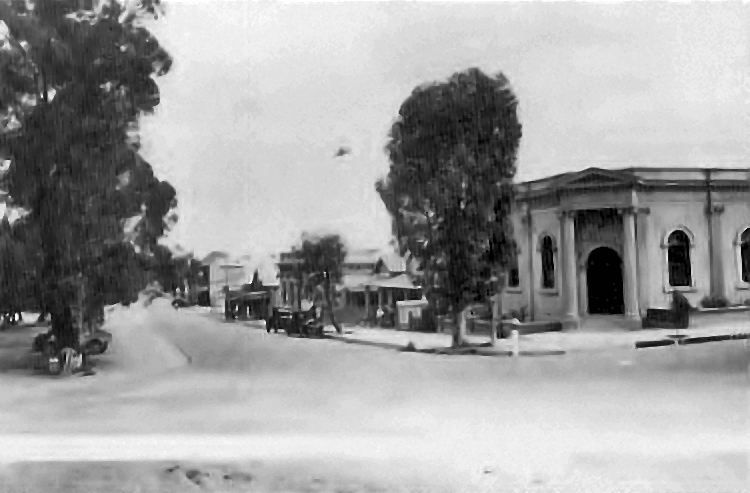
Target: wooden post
[367,306]
[500,282]
[514,340]
[497,310]
[227,304]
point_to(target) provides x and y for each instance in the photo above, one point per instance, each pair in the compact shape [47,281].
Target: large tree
[75,76]
[321,265]
[453,151]
[13,270]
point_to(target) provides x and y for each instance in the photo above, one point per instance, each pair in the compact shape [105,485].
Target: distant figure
[379,315]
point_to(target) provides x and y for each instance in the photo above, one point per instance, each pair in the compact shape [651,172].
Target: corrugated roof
[394,262]
[364,256]
[355,282]
[399,282]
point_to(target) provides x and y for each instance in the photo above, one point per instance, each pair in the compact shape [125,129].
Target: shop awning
[248,296]
[399,282]
[354,282]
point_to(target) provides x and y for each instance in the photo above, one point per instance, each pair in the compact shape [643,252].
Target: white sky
[262,94]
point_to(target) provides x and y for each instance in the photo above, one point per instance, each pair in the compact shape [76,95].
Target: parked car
[93,343]
[96,342]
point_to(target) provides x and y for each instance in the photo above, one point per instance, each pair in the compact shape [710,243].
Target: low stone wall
[482,327]
[662,318]
[716,311]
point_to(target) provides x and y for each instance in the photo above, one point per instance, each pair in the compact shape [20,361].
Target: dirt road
[656,420]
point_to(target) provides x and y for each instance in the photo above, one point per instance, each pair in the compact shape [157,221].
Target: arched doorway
[604,282]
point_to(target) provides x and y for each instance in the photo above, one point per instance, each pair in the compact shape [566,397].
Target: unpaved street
[657,420]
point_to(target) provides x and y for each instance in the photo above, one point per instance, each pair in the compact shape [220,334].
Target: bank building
[599,243]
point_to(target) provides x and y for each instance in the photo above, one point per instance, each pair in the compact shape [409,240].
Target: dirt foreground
[274,414]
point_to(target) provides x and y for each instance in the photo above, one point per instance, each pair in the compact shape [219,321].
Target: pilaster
[715,212]
[629,262]
[528,224]
[643,250]
[571,319]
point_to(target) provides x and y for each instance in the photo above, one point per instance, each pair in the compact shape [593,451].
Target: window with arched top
[745,255]
[514,276]
[547,253]
[678,259]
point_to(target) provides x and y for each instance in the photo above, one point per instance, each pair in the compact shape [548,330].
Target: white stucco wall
[515,298]
[547,302]
[734,220]
[670,211]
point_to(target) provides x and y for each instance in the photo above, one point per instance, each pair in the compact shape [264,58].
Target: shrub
[521,314]
[714,302]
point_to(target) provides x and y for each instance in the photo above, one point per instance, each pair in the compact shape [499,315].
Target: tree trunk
[58,294]
[329,305]
[459,326]
[63,326]
[299,295]
[497,305]
[497,313]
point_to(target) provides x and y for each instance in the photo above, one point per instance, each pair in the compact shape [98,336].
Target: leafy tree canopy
[453,151]
[321,256]
[321,264]
[75,75]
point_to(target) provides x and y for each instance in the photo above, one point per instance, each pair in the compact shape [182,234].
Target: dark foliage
[75,75]
[449,189]
[322,260]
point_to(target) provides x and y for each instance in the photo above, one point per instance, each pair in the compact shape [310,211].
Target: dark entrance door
[604,282]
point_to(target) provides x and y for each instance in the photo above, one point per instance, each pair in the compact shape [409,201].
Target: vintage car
[96,342]
[93,343]
[302,323]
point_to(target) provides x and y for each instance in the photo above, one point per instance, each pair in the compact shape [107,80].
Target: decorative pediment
[593,177]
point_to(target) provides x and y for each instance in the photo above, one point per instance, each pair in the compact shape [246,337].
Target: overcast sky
[261,95]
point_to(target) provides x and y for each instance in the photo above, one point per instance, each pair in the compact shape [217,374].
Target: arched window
[678,259]
[547,251]
[514,276]
[745,255]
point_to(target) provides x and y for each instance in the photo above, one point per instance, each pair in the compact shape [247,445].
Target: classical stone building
[616,242]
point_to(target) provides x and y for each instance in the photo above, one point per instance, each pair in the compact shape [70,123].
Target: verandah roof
[358,282]
[399,282]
